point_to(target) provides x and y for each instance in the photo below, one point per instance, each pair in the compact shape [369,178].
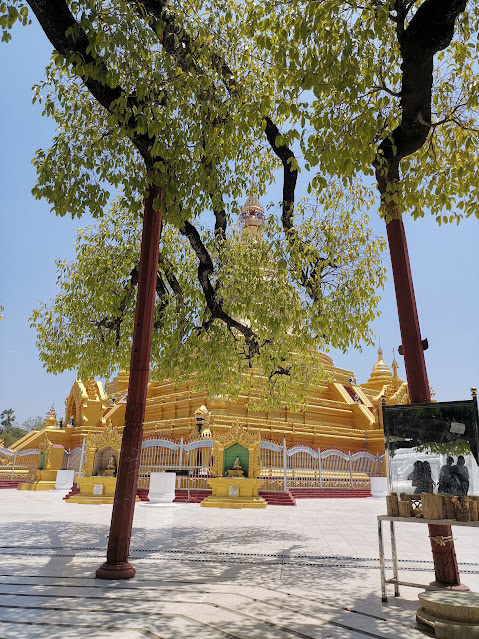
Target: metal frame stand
[382,563]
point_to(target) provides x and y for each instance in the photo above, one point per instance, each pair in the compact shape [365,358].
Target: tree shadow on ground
[259,597]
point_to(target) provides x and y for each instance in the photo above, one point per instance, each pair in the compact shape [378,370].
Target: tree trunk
[445,562]
[117,565]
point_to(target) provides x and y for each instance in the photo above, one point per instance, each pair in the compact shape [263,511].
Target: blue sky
[444,261]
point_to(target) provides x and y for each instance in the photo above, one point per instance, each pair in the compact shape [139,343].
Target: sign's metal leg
[382,568]
[395,559]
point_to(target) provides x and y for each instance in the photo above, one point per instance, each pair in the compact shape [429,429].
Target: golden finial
[380,351]
[474,392]
[52,412]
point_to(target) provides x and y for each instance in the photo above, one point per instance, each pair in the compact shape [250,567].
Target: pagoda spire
[381,373]
[51,417]
[251,216]
[394,366]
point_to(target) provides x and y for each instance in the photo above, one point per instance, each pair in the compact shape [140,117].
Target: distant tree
[10,431]
[12,434]
[33,423]
[7,418]
[143,96]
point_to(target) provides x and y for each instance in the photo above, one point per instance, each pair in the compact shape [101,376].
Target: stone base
[115,571]
[64,480]
[107,473]
[234,502]
[89,499]
[452,615]
[162,488]
[379,487]
[44,480]
[93,499]
[149,504]
[38,485]
[87,488]
[234,492]
[459,588]
[446,629]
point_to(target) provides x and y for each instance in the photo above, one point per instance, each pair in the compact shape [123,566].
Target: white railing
[298,466]
[272,465]
[191,459]
[18,464]
[282,467]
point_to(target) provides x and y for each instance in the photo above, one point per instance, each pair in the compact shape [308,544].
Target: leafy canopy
[182,96]
[11,432]
[88,325]
[390,81]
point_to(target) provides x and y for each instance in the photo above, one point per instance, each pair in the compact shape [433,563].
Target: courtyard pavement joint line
[240,560]
[327,604]
[160,551]
[59,624]
[186,601]
[145,631]
[297,633]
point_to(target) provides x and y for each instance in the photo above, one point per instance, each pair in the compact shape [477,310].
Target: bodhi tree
[147,106]
[188,113]
[397,101]
[383,89]
[389,91]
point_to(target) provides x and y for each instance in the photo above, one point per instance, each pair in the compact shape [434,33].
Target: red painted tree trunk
[117,565]
[445,563]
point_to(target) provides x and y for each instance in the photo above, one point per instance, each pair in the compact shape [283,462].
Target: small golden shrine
[102,453]
[236,467]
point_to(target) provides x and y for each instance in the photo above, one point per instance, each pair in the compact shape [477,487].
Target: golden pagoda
[385,383]
[340,414]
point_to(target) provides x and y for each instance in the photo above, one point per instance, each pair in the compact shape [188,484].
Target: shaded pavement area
[280,572]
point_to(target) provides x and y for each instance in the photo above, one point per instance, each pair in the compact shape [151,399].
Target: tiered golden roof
[381,374]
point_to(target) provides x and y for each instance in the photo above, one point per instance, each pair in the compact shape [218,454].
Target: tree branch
[175,286]
[177,41]
[213,301]
[56,19]
[290,175]
[116,322]
[449,118]
[162,293]
[310,281]
[430,31]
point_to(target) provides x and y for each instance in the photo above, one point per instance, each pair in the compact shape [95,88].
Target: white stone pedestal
[64,480]
[162,488]
[379,487]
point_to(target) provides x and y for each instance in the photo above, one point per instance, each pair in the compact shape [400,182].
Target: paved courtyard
[206,573]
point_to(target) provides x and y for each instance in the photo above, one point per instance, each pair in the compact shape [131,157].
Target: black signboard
[445,433]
